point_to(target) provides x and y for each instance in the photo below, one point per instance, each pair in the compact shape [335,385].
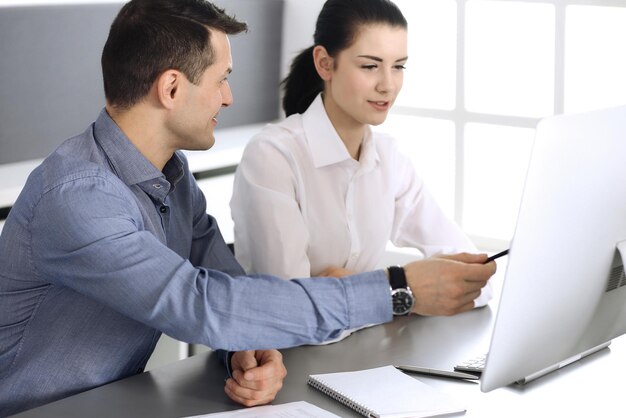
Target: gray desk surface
[591,387]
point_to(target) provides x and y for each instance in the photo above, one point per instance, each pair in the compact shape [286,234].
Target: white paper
[288,410]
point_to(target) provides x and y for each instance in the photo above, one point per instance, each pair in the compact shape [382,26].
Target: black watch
[401,295]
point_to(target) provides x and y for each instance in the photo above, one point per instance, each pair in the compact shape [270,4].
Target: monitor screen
[564,291]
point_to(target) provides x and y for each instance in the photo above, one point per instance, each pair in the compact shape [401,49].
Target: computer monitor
[564,291]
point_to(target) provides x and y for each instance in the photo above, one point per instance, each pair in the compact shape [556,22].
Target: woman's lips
[379,104]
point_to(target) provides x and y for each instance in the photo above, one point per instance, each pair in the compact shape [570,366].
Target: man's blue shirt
[102,252]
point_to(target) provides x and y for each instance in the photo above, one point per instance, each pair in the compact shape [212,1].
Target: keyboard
[473,365]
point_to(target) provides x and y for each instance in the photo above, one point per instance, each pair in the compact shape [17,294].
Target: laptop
[564,291]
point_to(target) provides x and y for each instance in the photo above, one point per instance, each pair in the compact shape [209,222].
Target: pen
[436,372]
[495,256]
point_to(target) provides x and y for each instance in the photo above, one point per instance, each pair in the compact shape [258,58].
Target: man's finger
[244,360]
[246,396]
[480,272]
[269,370]
[469,258]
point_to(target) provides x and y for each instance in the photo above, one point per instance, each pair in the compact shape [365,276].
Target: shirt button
[163,209]
[156,186]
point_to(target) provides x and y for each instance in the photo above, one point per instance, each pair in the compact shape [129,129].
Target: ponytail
[302,85]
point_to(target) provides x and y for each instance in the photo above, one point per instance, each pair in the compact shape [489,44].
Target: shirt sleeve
[99,248]
[271,235]
[419,221]
[226,357]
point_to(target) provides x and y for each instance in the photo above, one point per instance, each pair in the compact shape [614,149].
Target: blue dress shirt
[102,252]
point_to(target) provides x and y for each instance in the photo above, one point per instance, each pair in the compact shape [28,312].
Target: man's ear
[323,62]
[168,87]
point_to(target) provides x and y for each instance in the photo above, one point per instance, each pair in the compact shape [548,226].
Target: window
[481,73]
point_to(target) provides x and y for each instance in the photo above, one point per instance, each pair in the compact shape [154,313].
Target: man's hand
[447,285]
[257,377]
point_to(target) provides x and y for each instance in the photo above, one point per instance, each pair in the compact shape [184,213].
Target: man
[109,243]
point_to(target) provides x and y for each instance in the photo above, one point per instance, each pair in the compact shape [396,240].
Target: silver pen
[436,372]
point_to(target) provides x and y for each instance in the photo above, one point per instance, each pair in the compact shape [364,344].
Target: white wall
[299,24]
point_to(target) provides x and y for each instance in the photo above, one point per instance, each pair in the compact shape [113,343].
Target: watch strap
[397,277]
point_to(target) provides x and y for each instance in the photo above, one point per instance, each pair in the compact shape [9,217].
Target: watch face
[403,301]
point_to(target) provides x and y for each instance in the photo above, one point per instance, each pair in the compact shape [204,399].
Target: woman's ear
[168,87]
[323,62]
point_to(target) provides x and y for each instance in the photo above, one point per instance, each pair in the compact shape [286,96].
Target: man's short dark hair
[149,37]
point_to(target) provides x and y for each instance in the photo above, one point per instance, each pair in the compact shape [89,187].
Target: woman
[320,193]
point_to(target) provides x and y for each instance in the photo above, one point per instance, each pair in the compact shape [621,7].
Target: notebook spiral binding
[341,397]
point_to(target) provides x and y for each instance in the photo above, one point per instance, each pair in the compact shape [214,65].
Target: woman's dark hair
[150,36]
[336,28]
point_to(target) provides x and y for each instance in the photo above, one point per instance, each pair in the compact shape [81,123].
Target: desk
[591,387]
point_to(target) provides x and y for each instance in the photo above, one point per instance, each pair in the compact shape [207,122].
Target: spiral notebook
[385,392]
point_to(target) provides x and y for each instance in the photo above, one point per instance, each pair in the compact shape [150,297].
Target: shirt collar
[129,164]
[325,144]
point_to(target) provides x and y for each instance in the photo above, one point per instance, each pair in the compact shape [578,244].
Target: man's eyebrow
[378,59]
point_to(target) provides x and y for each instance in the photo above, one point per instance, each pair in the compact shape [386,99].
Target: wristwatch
[401,295]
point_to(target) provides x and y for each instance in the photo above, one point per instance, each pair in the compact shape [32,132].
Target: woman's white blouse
[301,204]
